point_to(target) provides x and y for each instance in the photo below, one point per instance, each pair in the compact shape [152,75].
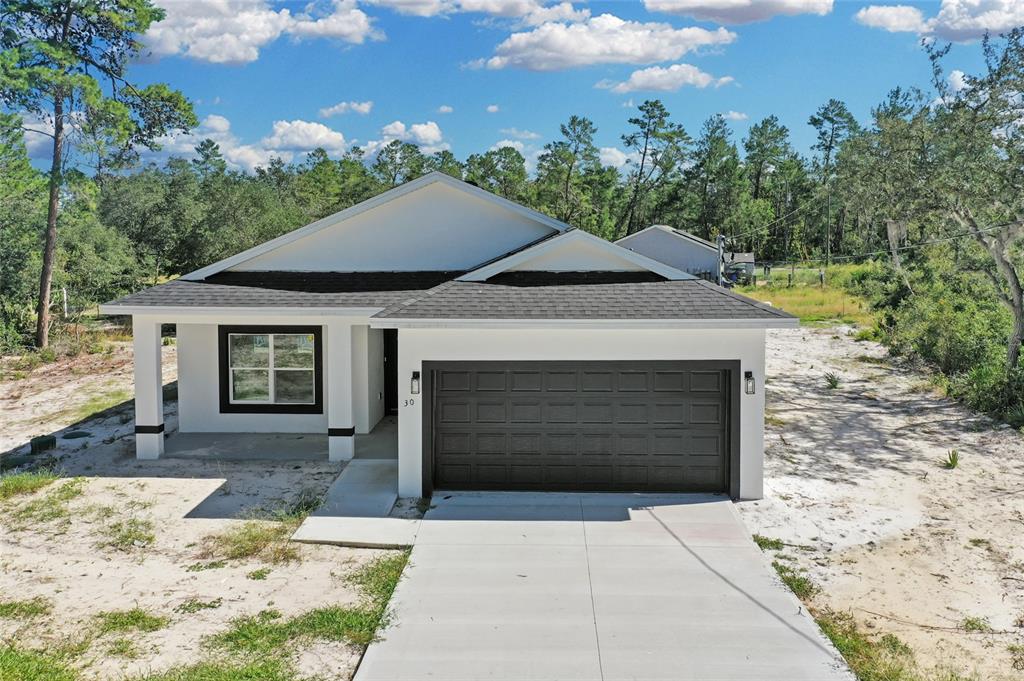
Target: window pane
[250,350]
[293,351]
[294,387]
[250,386]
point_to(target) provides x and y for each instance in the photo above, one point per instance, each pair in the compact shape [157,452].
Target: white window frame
[270,369]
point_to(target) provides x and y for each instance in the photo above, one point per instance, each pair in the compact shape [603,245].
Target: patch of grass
[16,484]
[135,619]
[253,539]
[814,304]
[885,659]
[51,506]
[194,605]
[767,543]
[128,534]
[799,583]
[98,403]
[23,610]
[258,575]
[1016,657]
[952,459]
[976,625]
[26,665]
[831,380]
[774,420]
[208,565]
[979,542]
[124,648]
[268,631]
[269,669]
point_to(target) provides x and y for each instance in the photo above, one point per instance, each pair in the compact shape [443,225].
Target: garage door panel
[591,426]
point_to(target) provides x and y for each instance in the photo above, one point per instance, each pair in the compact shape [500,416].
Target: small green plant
[23,610]
[208,565]
[798,583]
[767,543]
[979,542]
[831,380]
[1016,657]
[977,625]
[124,648]
[258,575]
[194,605]
[135,619]
[125,535]
[27,665]
[952,459]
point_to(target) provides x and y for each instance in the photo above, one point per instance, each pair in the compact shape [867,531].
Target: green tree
[66,60]
[660,147]
[502,171]
[766,145]
[444,161]
[562,166]
[397,163]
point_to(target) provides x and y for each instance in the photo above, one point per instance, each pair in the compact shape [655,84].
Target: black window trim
[229,407]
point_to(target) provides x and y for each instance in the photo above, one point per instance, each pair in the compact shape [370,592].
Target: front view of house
[516,352]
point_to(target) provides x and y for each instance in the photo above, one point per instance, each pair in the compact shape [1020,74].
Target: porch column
[340,423]
[149,389]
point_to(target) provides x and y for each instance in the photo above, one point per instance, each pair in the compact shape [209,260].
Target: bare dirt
[65,560]
[855,485]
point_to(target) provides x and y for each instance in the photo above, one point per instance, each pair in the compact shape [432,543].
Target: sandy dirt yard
[66,557]
[854,483]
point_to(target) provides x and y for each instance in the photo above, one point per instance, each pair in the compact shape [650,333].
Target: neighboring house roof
[703,243]
[286,289]
[567,240]
[583,296]
[738,258]
[380,199]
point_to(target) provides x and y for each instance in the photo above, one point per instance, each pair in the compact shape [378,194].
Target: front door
[391,371]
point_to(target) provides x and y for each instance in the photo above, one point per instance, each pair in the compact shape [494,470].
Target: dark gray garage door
[580,426]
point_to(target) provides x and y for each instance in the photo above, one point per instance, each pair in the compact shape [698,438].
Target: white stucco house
[677,248]
[515,352]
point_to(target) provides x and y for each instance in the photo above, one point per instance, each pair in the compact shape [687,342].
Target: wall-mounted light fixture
[748,382]
[414,386]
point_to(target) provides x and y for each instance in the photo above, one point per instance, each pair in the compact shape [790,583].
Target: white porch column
[149,389]
[340,421]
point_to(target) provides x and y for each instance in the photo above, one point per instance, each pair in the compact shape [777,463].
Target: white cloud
[957,80]
[493,108]
[344,107]
[738,11]
[892,18]
[665,79]
[234,31]
[605,39]
[515,144]
[427,136]
[303,136]
[615,157]
[735,116]
[957,20]
[217,128]
[445,109]
[527,12]
[520,134]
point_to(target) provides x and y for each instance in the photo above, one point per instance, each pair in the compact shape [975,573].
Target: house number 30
[409,403]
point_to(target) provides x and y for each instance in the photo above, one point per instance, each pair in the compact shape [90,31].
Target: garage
[643,426]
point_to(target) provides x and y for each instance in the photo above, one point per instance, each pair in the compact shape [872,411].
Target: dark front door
[391,371]
[581,426]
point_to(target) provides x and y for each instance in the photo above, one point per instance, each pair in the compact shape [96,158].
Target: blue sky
[260,72]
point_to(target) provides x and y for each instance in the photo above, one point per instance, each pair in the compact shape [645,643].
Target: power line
[778,219]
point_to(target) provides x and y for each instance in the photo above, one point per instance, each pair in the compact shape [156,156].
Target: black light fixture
[748,382]
[414,386]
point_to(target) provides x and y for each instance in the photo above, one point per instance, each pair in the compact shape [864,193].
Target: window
[270,369]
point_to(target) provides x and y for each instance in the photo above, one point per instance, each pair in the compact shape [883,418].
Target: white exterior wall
[418,345]
[577,256]
[367,377]
[673,250]
[436,227]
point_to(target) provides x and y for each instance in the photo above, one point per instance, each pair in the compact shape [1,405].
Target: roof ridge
[744,299]
[398,307]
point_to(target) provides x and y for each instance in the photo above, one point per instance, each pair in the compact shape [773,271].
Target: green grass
[976,625]
[23,610]
[194,605]
[813,304]
[135,619]
[98,403]
[952,459]
[268,632]
[269,669]
[124,648]
[128,534]
[831,380]
[209,565]
[17,484]
[26,665]
[258,575]
[767,543]
[797,582]
[51,506]
[267,540]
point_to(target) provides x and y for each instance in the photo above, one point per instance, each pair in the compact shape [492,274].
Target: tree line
[929,188]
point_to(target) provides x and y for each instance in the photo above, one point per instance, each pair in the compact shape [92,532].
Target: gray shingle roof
[289,289]
[684,299]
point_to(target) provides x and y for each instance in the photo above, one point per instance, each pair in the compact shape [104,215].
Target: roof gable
[574,251]
[435,222]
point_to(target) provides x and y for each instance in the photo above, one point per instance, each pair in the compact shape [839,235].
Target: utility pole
[828,229]
[721,257]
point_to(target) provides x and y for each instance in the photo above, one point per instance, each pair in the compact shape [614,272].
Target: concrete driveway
[593,586]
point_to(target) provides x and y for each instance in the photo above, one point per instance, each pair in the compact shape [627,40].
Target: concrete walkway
[595,587]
